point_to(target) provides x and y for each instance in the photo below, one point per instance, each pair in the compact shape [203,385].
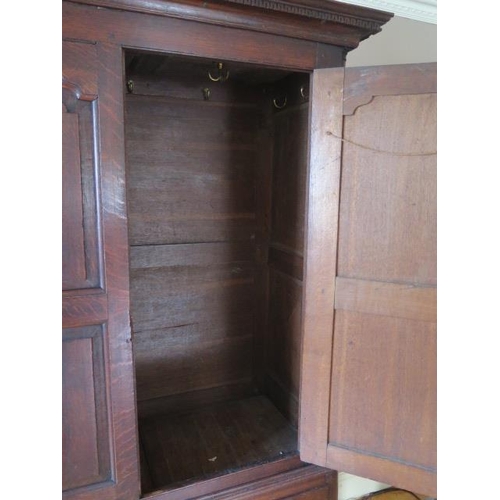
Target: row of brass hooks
[281,102]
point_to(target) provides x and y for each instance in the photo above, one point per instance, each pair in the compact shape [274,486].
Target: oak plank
[387,299]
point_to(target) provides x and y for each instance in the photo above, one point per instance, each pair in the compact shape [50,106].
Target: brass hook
[280,106]
[221,77]
[303,93]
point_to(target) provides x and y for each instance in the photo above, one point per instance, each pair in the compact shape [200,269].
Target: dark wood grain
[197,305]
[73,237]
[188,401]
[263,199]
[83,310]
[180,36]
[81,248]
[289,177]
[295,88]
[286,261]
[284,341]
[197,233]
[198,189]
[304,483]
[214,439]
[118,347]
[330,22]
[229,481]
[99,432]
[146,482]
[286,243]
[177,77]
[165,359]
[86,452]
[232,253]
[79,68]
[160,296]
[282,396]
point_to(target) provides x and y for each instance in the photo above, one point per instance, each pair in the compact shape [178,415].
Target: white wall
[351,487]
[400,41]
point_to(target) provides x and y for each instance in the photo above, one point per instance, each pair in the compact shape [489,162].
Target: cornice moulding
[419,10]
[324,21]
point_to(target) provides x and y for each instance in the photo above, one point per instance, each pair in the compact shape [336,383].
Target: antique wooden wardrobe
[249,261]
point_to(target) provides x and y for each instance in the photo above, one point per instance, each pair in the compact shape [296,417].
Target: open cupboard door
[368,387]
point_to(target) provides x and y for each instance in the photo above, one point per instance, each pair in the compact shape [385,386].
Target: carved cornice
[326,21]
[305,11]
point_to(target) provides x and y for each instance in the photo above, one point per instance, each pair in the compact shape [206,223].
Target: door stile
[322,202]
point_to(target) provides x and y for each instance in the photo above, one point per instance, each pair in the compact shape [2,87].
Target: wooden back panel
[192,180]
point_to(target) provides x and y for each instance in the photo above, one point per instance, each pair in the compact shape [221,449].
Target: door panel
[381,418]
[99,429]
[81,251]
[389,201]
[86,450]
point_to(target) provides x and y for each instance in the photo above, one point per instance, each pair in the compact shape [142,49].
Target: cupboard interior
[216,174]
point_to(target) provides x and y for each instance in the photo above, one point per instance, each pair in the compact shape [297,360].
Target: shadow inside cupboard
[216,156]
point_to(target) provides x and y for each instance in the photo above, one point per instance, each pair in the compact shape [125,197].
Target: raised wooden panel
[384,386]
[73,237]
[81,250]
[86,452]
[387,227]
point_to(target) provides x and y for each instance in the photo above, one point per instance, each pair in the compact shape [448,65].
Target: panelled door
[368,390]
[99,434]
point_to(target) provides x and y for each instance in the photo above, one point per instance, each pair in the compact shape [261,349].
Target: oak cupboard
[249,263]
